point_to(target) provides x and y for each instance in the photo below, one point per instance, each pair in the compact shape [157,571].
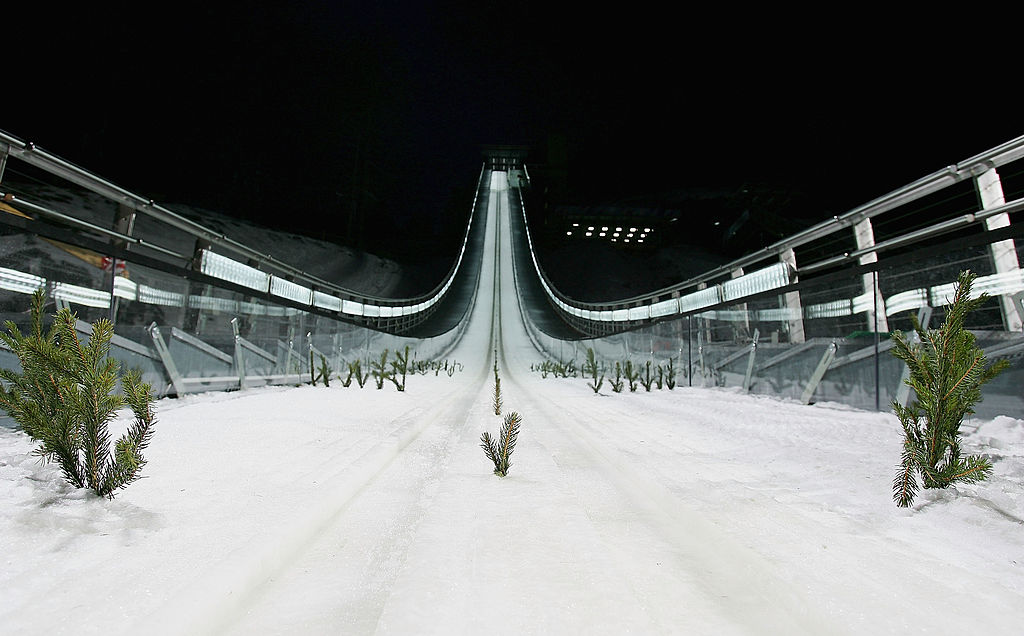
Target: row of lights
[633,231]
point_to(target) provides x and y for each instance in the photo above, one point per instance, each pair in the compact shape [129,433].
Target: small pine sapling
[379,368]
[323,372]
[500,451]
[64,399]
[647,380]
[496,399]
[618,383]
[399,367]
[670,374]
[631,375]
[355,370]
[659,378]
[947,371]
[590,367]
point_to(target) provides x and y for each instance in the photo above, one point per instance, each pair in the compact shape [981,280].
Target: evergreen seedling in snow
[399,367]
[591,368]
[322,373]
[64,399]
[496,398]
[631,375]
[947,371]
[618,382]
[355,371]
[379,368]
[647,379]
[500,451]
[670,375]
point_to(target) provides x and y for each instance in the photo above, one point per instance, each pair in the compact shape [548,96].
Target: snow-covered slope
[336,510]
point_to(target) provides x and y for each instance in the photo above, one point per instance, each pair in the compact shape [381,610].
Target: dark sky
[297,113]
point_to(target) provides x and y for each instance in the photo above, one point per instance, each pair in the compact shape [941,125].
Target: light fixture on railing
[700,299]
[81,295]
[906,301]
[232,271]
[772,277]
[326,301]
[291,291]
[13,280]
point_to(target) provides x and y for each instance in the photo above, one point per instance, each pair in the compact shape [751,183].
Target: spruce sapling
[399,366]
[618,382]
[659,379]
[325,371]
[379,368]
[670,375]
[64,399]
[496,398]
[631,375]
[590,367]
[947,371]
[355,370]
[647,379]
[500,451]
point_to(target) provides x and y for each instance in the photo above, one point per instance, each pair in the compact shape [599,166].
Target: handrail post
[1003,253]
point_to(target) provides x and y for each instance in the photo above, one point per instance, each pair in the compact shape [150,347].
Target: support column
[791,302]
[1003,253]
[865,236]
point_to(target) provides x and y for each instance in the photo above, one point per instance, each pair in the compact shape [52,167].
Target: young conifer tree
[496,398]
[64,398]
[592,369]
[947,371]
[500,451]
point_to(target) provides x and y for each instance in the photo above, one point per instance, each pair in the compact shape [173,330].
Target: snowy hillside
[313,510]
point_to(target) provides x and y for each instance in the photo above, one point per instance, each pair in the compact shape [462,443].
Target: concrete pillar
[791,302]
[865,236]
[1003,253]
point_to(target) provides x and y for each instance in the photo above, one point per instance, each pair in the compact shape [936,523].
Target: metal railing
[776,266]
[280,282]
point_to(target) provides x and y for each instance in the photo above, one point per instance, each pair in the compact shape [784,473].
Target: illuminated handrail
[710,292]
[291,284]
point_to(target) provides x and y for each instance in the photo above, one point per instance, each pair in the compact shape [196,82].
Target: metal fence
[821,331]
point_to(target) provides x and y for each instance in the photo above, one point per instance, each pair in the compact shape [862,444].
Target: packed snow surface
[313,510]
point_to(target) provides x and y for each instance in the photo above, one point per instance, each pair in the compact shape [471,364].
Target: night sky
[364,123]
